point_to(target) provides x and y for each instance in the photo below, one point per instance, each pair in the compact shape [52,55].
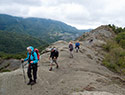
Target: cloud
[79,13]
[21,2]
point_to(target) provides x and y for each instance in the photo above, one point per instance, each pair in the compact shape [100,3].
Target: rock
[94,93]
[10,65]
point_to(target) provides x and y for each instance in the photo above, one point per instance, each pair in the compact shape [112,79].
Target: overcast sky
[82,14]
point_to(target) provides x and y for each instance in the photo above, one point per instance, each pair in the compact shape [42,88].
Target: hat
[28,48]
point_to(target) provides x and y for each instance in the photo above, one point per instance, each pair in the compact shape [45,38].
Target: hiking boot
[57,66]
[30,81]
[34,81]
[50,69]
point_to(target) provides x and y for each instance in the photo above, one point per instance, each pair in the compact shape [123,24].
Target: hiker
[32,65]
[77,46]
[90,41]
[71,49]
[53,56]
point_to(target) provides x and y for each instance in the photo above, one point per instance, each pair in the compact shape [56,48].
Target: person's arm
[50,54]
[57,54]
[79,44]
[26,59]
[69,46]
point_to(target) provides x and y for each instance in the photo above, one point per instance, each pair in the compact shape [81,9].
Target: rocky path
[82,75]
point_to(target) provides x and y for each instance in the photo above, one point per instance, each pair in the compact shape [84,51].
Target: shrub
[120,36]
[110,45]
[122,43]
[5,70]
[115,60]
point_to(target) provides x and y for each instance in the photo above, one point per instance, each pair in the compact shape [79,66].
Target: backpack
[37,52]
[71,46]
[56,53]
[77,44]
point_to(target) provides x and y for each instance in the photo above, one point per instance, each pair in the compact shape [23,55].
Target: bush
[110,45]
[115,60]
[116,29]
[120,36]
[5,70]
[122,43]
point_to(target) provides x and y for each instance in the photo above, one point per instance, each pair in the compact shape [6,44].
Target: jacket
[33,57]
[77,44]
[71,46]
[54,54]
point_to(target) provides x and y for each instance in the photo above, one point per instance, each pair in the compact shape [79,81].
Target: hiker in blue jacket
[77,46]
[32,64]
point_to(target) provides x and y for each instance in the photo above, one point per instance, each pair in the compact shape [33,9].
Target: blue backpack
[77,44]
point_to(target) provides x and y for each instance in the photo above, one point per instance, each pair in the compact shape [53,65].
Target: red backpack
[37,52]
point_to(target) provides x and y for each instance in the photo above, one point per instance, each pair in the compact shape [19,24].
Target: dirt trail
[82,75]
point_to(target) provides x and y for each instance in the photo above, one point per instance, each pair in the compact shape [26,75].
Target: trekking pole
[31,83]
[31,87]
[31,72]
[23,72]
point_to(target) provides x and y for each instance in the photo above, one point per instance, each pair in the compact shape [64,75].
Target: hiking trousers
[32,69]
[77,49]
[71,53]
[53,61]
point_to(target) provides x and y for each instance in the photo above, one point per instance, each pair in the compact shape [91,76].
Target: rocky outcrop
[9,65]
[102,33]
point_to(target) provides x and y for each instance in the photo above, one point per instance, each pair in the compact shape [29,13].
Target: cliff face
[81,75]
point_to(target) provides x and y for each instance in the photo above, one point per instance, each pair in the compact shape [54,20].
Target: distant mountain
[18,32]
[45,29]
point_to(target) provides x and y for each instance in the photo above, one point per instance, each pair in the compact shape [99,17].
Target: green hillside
[17,43]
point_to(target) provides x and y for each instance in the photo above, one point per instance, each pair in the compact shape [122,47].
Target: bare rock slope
[81,75]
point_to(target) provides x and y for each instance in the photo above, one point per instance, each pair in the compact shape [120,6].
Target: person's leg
[35,72]
[29,75]
[51,64]
[78,49]
[57,66]
[72,53]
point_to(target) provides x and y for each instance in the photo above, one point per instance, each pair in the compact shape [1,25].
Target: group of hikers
[71,48]
[33,58]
